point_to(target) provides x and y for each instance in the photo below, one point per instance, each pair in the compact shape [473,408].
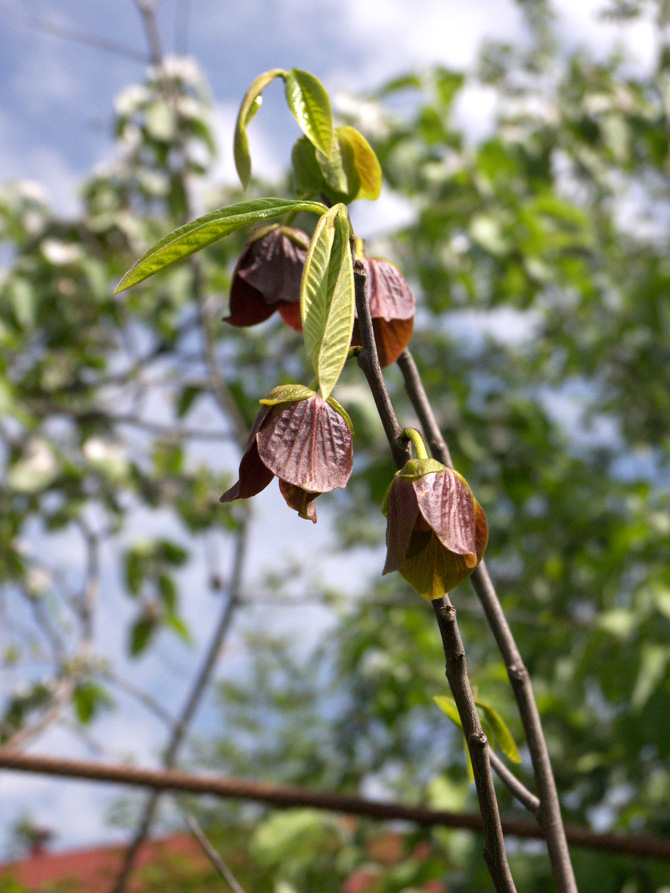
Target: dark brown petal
[290,313]
[402,514]
[307,443]
[389,294]
[254,477]
[300,500]
[273,266]
[391,338]
[481,531]
[446,503]
[247,305]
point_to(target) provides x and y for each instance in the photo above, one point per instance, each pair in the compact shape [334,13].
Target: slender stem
[494,851]
[457,675]
[213,856]
[549,813]
[416,440]
[517,788]
[188,711]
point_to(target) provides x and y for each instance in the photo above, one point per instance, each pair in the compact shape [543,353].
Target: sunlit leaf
[501,735]
[364,161]
[448,706]
[327,297]
[250,105]
[204,230]
[308,100]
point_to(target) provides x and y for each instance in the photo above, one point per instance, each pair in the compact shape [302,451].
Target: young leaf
[359,153]
[250,105]
[204,230]
[308,100]
[501,735]
[327,297]
[448,706]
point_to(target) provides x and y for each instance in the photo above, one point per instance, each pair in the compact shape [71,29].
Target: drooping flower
[436,532]
[267,277]
[301,439]
[392,307]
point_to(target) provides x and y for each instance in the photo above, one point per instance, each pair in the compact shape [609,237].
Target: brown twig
[549,813]
[212,855]
[192,703]
[287,797]
[494,848]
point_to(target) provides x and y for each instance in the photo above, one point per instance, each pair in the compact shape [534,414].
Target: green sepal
[199,233]
[417,468]
[342,411]
[250,105]
[286,393]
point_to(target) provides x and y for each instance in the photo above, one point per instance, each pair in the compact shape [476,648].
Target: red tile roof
[92,870]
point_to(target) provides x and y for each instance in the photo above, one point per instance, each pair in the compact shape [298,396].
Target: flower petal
[402,513]
[247,305]
[391,338]
[254,476]
[430,568]
[300,500]
[273,265]
[447,504]
[389,294]
[307,443]
[290,313]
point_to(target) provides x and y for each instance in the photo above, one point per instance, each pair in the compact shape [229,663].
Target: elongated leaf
[448,705]
[364,161]
[308,100]
[500,734]
[327,297]
[250,105]
[201,232]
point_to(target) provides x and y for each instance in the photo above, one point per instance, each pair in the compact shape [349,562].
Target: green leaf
[204,230]
[332,168]
[140,635]
[308,100]
[250,105]
[501,735]
[359,153]
[327,297]
[448,706]
[287,392]
[89,698]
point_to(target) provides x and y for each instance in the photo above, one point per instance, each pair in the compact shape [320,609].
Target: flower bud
[392,307]
[436,532]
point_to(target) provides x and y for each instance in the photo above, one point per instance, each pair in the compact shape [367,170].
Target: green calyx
[286,393]
[417,468]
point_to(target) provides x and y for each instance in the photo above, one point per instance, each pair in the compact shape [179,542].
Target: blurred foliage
[538,257]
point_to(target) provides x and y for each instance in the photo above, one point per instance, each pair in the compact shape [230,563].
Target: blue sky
[55,114]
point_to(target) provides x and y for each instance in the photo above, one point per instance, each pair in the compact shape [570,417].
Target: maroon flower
[391,308]
[436,533]
[267,277]
[304,441]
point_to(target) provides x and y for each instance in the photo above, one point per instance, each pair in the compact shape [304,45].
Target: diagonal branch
[549,813]
[494,847]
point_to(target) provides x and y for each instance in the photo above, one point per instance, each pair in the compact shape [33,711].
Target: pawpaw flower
[436,530]
[303,440]
[392,307]
[267,277]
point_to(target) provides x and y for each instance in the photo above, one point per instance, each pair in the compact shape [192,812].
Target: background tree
[537,257]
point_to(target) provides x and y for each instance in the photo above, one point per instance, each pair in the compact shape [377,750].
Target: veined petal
[300,500]
[447,505]
[402,514]
[307,443]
